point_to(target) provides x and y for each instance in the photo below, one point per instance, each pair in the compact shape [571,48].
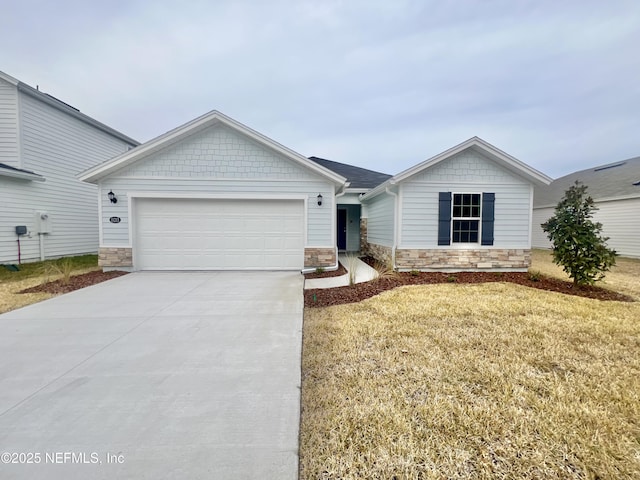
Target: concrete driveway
[155,375]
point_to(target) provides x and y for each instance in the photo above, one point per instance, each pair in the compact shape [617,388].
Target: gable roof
[66,108]
[501,158]
[94,174]
[358,178]
[9,171]
[611,181]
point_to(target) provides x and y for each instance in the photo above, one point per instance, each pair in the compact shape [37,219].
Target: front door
[342,229]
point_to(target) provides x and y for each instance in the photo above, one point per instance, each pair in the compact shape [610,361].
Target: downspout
[395,225]
[41,237]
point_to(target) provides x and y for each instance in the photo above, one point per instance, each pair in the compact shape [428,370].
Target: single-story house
[45,211]
[615,188]
[215,194]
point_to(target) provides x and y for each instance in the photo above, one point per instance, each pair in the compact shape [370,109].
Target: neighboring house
[468,208]
[350,223]
[214,194]
[44,143]
[616,190]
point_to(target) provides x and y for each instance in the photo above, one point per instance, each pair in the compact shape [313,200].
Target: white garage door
[198,234]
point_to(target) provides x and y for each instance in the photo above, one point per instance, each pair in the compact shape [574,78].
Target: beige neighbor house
[214,194]
[615,189]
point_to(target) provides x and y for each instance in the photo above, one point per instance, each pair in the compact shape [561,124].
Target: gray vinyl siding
[467,172]
[538,237]
[618,218]
[380,224]
[58,147]
[9,124]
[319,218]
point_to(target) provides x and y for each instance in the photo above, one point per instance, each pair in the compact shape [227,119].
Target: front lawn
[474,381]
[36,273]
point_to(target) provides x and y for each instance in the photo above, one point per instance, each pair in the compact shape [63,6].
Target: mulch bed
[336,296]
[336,273]
[324,297]
[75,282]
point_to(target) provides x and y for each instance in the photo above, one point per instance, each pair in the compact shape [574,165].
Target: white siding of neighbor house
[9,124]
[217,162]
[467,172]
[619,223]
[58,147]
[538,237]
[381,219]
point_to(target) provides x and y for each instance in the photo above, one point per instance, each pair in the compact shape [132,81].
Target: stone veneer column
[364,244]
[319,257]
[115,257]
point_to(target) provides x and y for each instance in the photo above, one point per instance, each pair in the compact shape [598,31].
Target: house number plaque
[115,219]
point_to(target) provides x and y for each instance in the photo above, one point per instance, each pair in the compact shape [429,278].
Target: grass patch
[623,277]
[471,381]
[35,273]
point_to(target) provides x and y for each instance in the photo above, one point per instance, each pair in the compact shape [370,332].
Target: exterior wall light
[319,199]
[112,197]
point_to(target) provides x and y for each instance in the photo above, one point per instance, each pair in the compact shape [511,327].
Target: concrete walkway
[155,375]
[364,273]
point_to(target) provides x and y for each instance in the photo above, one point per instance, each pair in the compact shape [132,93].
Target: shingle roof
[620,179]
[358,177]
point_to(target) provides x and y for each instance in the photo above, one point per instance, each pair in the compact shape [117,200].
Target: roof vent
[607,167]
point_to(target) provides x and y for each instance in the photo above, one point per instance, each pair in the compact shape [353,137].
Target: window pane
[466,205]
[465,231]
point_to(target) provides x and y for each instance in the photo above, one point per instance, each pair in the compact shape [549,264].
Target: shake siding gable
[217,152]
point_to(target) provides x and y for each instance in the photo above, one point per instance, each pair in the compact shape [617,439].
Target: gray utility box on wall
[43,222]
[21,230]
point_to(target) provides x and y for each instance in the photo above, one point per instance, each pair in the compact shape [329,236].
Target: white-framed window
[466,217]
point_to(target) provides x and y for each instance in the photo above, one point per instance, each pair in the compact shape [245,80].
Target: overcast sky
[379,84]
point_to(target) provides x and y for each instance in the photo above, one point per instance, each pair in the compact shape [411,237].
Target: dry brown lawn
[473,381]
[32,274]
[623,278]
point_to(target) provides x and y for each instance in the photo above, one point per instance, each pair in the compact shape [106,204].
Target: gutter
[22,175]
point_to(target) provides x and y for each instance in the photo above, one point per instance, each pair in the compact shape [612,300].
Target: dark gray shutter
[488,210]
[444,218]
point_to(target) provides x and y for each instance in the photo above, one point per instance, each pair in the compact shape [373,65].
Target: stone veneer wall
[381,253]
[454,259]
[115,257]
[319,257]
[364,244]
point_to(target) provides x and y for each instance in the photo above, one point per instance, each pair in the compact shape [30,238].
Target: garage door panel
[218,234]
